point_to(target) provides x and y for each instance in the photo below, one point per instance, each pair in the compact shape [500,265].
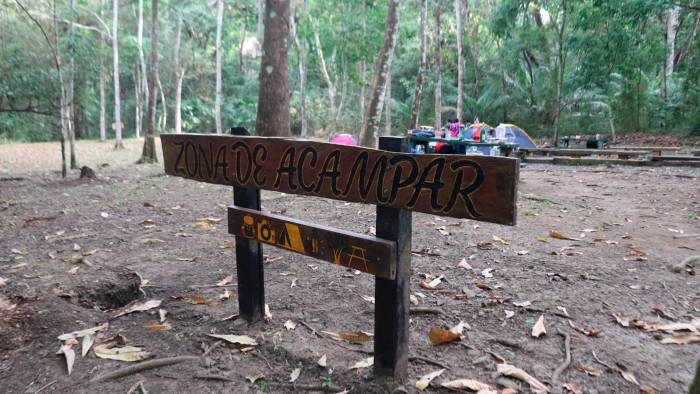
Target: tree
[115,54]
[219,23]
[70,114]
[141,84]
[418,87]
[438,71]
[149,148]
[273,99]
[561,64]
[459,17]
[180,76]
[302,54]
[370,122]
[103,88]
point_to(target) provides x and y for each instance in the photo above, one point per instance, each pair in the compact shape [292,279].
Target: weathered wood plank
[357,251]
[476,187]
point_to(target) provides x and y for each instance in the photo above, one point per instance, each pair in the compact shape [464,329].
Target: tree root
[146,365]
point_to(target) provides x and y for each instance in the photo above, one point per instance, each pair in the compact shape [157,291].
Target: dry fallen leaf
[159,326]
[538,329]
[488,272]
[237,339]
[225,281]
[82,333]
[485,245]
[425,380]
[123,353]
[558,235]
[201,300]
[465,384]
[161,314]
[88,340]
[151,241]
[290,325]
[627,374]
[226,245]
[367,298]
[364,363]
[225,296]
[294,375]
[138,307]
[683,339]
[588,370]
[350,336]
[439,336]
[501,240]
[413,299]
[523,304]
[433,284]
[268,314]
[69,355]
[571,388]
[459,328]
[509,370]
[464,264]
[253,377]
[322,362]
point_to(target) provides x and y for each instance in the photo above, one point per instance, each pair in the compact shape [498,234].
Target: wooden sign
[357,251]
[476,187]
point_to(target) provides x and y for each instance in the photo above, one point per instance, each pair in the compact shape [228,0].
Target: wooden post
[391,311]
[249,260]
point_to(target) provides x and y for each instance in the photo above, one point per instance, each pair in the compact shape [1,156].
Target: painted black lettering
[241,176]
[179,170]
[221,162]
[286,166]
[330,170]
[365,183]
[193,171]
[434,186]
[398,183]
[205,164]
[465,192]
[300,167]
[257,162]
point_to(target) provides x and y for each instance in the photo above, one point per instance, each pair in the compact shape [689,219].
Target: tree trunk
[459,16]
[326,75]
[418,88]
[561,63]
[362,94]
[142,87]
[103,88]
[387,104]
[115,54]
[261,21]
[179,76]
[62,98]
[681,53]
[438,72]
[240,46]
[217,101]
[163,121]
[149,148]
[301,62]
[370,122]
[273,100]
[71,94]
[343,93]
[671,32]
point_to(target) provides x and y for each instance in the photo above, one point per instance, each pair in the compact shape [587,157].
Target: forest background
[549,66]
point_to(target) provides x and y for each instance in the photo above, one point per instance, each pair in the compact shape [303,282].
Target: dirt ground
[629,225]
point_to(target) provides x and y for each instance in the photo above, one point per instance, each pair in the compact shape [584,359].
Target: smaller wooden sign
[365,253]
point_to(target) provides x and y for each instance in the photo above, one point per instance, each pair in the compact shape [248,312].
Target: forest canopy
[550,66]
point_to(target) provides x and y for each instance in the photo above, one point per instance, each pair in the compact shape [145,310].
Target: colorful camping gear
[476,130]
[344,139]
[514,134]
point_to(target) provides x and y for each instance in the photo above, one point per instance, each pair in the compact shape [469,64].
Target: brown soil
[636,209]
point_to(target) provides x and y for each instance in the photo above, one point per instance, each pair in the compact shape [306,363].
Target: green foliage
[615,51]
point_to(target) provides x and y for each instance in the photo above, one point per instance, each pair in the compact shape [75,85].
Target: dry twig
[567,361]
[146,365]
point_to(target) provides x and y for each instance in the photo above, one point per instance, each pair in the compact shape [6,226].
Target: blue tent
[516,134]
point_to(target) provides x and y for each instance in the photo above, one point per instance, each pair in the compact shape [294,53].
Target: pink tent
[344,139]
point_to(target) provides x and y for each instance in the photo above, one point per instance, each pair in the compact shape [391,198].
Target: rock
[688,264]
[87,172]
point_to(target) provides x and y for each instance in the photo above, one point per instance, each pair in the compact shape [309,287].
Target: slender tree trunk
[301,63]
[139,100]
[561,63]
[261,21]
[163,120]
[62,99]
[438,72]
[671,32]
[142,87]
[179,75]
[387,104]
[418,88]
[115,54]
[240,46]
[363,94]
[326,76]
[71,94]
[681,53]
[149,148]
[370,123]
[217,101]
[103,93]
[343,93]
[273,100]
[459,16]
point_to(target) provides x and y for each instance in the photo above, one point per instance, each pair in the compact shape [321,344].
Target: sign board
[365,253]
[475,187]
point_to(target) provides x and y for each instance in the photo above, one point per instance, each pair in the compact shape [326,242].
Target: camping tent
[513,133]
[485,128]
